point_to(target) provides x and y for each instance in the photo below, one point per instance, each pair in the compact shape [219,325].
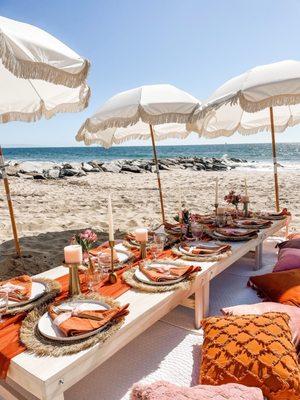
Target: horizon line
[20,146]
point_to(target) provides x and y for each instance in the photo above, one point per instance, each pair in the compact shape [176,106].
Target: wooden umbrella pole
[10,205]
[158,176]
[274,159]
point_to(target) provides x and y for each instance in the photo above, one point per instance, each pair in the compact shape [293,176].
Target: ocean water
[258,155]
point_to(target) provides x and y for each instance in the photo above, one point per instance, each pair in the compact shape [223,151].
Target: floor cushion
[287,259]
[289,244]
[282,287]
[295,235]
[252,350]
[266,306]
[167,391]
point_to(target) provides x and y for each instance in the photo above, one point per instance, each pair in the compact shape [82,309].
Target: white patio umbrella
[266,97]
[39,77]
[152,111]
[31,53]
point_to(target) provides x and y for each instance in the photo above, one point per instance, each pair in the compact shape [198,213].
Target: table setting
[80,309]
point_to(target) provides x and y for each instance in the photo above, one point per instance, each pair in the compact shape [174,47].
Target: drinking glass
[3,304]
[104,264]
[93,278]
[157,245]
[197,230]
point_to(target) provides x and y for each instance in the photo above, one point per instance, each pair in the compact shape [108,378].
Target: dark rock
[67,166]
[111,167]
[96,163]
[52,173]
[12,171]
[86,167]
[37,175]
[69,172]
[131,168]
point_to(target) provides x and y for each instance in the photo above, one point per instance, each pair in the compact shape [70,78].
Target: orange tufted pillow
[281,287]
[253,350]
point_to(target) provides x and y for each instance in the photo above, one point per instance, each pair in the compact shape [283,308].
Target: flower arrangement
[233,198]
[87,240]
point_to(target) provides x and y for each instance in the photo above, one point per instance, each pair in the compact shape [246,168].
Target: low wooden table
[48,378]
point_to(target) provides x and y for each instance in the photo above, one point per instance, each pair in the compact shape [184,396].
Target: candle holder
[216,208]
[143,250]
[112,275]
[246,209]
[74,283]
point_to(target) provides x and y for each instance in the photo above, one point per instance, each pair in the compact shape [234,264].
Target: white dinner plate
[208,245]
[144,279]
[51,331]
[37,290]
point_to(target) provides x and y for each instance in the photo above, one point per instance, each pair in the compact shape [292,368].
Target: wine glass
[3,304]
[157,245]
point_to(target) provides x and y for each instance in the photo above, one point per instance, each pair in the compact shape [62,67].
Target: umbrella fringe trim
[37,70]
[89,140]
[43,112]
[141,114]
[244,131]
[246,105]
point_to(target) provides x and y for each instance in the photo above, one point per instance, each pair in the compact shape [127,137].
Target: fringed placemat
[131,280]
[42,346]
[208,258]
[53,288]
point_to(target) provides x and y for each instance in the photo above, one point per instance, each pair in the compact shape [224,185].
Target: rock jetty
[52,170]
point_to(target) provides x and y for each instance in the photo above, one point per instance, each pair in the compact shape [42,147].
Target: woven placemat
[42,346]
[53,288]
[209,258]
[130,279]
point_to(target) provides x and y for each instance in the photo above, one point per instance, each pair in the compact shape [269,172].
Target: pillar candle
[141,234]
[73,254]
[111,236]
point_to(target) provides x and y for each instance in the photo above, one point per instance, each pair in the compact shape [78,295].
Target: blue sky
[193,44]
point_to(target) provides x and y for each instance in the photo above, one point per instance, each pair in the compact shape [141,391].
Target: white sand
[48,212]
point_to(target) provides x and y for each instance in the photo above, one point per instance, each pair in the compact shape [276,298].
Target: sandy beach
[48,212]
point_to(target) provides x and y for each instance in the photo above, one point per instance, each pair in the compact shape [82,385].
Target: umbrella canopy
[39,77]
[31,99]
[31,53]
[266,97]
[152,104]
[152,111]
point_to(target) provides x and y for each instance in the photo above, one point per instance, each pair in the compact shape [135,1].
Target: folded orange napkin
[18,289]
[236,232]
[256,222]
[200,249]
[76,321]
[165,272]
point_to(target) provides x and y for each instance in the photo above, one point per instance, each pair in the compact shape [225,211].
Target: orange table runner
[10,344]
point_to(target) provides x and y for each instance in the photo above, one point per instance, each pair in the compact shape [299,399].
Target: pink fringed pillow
[261,308]
[167,391]
[287,259]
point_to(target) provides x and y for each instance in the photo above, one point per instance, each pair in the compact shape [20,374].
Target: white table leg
[258,257]
[199,311]
[201,304]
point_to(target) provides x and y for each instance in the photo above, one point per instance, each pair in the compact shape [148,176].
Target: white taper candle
[110,220]
[217,191]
